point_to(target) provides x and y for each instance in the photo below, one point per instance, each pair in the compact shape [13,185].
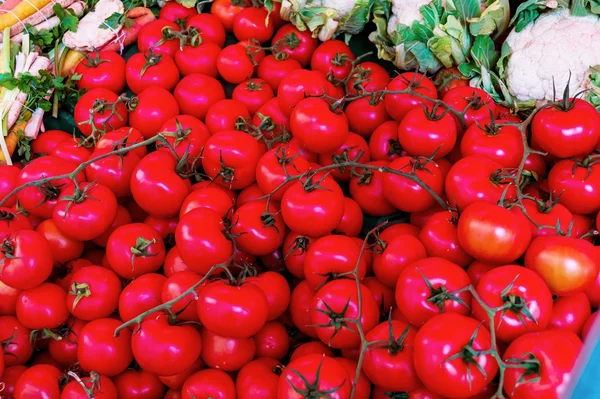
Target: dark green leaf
[68,19]
[113,22]
[484,51]
[467,9]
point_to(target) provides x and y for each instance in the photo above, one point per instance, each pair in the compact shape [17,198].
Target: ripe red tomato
[275,167]
[86,211]
[94,293]
[321,375]
[405,193]
[567,130]
[588,325]
[338,299]
[176,12]
[556,352]
[159,30]
[482,105]
[297,44]
[578,185]
[366,77]
[101,388]
[311,347]
[545,213]
[367,191]
[352,221]
[162,348]
[477,178]
[159,184]
[210,28]
[62,247]
[8,300]
[253,93]
[354,149]
[298,85]
[17,345]
[334,58]
[258,379]
[295,247]
[235,63]
[365,115]
[389,365]
[94,113]
[9,175]
[272,69]
[219,307]
[503,144]
[140,295]
[133,384]
[395,255]
[226,353]
[300,301]
[103,69]
[210,382]
[10,377]
[39,381]
[135,249]
[527,301]
[439,236]
[148,70]
[26,260]
[64,351]
[175,285]
[195,93]
[230,158]
[569,313]
[44,306]
[253,23]
[493,234]
[567,265]
[272,341]
[276,290]
[201,59]
[213,197]
[99,350]
[363,385]
[72,150]
[313,206]
[154,106]
[423,290]
[186,135]
[447,335]
[428,133]
[225,114]
[398,105]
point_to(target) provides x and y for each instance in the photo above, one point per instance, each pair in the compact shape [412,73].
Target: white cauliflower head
[547,50]
[405,12]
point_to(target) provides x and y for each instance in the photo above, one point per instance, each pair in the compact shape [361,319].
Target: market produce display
[293,199]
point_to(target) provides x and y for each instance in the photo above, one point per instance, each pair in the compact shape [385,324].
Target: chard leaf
[484,52]
[494,18]
[467,9]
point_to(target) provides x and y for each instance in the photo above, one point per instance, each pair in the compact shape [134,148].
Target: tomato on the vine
[399,104]
[102,69]
[427,132]
[153,107]
[26,260]
[195,93]
[297,44]
[146,70]
[100,111]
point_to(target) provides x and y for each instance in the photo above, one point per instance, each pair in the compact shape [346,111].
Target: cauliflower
[545,52]
[327,18]
[430,34]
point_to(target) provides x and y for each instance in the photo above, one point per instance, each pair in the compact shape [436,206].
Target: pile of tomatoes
[203,237]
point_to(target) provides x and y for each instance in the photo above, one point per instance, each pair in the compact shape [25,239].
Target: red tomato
[99,350]
[175,12]
[398,105]
[567,265]
[526,299]
[275,167]
[154,106]
[311,347]
[427,133]
[272,69]
[545,213]
[253,93]
[367,76]
[9,175]
[423,290]
[313,206]
[405,193]
[569,313]
[159,184]
[477,178]
[64,351]
[99,111]
[225,353]
[503,144]
[395,255]
[354,149]
[10,377]
[588,325]
[493,234]
[135,249]
[198,60]
[556,352]
[389,365]
[482,105]
[321,375]
[567,130]
[295,247]
[352,221]
[300,301]
[72,150]
[17,345]
[210,28]
[213,197]
[334,58]
[39,381]
[46,142]
[336,300]
[592,292]
[299,84]
[272,341]
[476,270]
[578,185]
[434,345]
[439,236]
[162,348]
[85,212]
[297,44]
[186,135]
[175,286]
[176,381]
[220,309]
[367,191]
[62,247]
[8,299]
[365,115]
[225,114]
[195,93]
[44,306]
[276,290]
[99,387]
[94,293]
[103,69]
[210,382]
[151,70]
[123,217]
[133,384]
[140,295]
[363,385]
[26,260]
[448,78]
[230,158]
[160,30]
[253,23]
[235,64]
[258,379]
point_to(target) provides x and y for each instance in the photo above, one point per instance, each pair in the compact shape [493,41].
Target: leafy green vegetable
[68,19]
[113,22]
[594,94]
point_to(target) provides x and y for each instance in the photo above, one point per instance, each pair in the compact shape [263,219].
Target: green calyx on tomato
[80,290]
[469,355]
[151,60]
[311,390]
[438,296]
[515,303]
[531,366]
[394,346]
[337,320]
[141,248]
